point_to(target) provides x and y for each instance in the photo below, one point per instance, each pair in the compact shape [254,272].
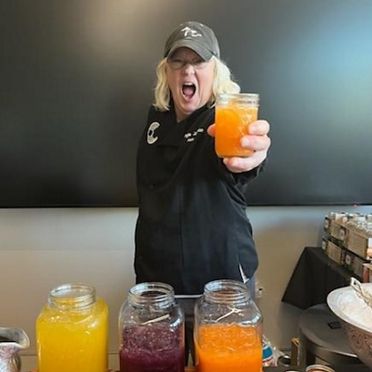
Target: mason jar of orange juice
[234,113]
[72,331]
[228,329]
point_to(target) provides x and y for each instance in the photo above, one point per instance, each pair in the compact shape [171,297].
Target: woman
[192,225]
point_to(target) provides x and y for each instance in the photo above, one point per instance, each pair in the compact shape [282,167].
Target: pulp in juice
[152,348]
[232,123]
[228,348]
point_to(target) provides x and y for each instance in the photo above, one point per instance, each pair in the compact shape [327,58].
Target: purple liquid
[152,348]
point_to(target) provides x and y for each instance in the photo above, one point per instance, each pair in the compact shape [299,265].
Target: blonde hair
[222,83]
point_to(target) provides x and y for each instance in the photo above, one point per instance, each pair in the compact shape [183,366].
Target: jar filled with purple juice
[151,327]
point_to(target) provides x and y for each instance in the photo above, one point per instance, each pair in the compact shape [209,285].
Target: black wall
[76,80]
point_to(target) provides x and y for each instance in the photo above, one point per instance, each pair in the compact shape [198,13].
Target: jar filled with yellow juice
[72,331]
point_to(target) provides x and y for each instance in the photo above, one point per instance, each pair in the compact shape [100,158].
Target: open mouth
[188,90]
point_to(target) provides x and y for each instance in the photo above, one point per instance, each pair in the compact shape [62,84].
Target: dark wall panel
[77,78]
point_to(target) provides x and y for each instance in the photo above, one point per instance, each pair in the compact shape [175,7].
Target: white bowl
[356,319]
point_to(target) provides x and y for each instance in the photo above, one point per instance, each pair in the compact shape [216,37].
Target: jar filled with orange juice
[228,329]
[72,331]
[234,113]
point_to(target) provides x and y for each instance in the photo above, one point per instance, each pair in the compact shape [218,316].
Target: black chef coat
[192,225]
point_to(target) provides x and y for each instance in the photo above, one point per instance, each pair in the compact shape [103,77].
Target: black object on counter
[314,276]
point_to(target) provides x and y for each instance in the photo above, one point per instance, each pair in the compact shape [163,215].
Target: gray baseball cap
[196,36]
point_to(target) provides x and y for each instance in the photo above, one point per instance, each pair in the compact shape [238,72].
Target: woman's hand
[257,140]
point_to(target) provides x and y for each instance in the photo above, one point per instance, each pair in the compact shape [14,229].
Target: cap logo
[187,31]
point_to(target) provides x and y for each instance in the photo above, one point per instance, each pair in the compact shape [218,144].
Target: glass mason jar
[228,329]
[72,331]
[151,330]
[234,113]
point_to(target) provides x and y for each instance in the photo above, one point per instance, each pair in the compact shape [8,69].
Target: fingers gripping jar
[72,331]
[228,329]
[151,327]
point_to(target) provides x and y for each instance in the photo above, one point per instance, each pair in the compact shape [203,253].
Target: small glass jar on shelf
[356,223]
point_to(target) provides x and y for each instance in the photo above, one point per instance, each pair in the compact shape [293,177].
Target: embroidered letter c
[151,138]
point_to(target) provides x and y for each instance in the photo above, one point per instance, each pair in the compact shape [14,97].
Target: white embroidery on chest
[190,136]
[151,138]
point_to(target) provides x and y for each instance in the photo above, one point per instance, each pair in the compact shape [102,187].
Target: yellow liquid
[73,341]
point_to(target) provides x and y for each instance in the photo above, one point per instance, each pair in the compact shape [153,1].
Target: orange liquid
[228,348]
[232,123]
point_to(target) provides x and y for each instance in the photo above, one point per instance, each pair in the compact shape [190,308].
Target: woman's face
[190,81]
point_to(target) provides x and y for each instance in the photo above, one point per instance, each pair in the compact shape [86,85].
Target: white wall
[41,248]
